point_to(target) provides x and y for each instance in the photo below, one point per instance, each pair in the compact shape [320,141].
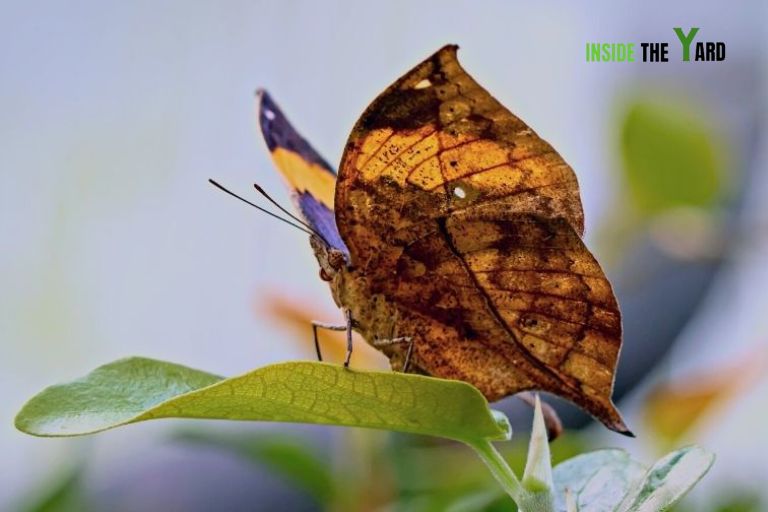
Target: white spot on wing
[269,115]
[423,84]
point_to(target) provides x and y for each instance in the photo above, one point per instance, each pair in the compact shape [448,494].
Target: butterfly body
[460,231]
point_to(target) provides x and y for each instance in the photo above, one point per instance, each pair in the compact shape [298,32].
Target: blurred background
[113,244]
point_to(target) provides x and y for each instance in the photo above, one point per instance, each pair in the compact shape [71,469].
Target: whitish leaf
[668,480]
[538,467]
[597,481]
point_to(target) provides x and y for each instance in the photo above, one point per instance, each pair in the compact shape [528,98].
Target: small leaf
[668,480]
[538,468]
[597,481]
[138,389]
[537,479]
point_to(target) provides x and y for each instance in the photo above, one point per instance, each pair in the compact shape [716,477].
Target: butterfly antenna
[297,226]
[279,207]
[289,214]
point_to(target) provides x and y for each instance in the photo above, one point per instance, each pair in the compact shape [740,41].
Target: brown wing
[508,305]
[457,213]
[438,133]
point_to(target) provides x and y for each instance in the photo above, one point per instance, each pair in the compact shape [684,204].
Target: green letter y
[686,41]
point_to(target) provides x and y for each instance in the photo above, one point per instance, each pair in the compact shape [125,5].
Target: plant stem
[500,469]
[526,500]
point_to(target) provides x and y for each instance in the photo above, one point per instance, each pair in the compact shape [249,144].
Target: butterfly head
[332,260]
[333,265]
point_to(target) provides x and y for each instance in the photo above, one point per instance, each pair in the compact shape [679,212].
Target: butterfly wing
[469,223]
[438,133]
[311,179]
[509,303]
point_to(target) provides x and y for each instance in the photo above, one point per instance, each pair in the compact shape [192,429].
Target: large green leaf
[139,389]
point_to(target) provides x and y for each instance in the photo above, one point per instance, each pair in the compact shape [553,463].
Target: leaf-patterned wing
[437,134]
[464,229]
[510,304]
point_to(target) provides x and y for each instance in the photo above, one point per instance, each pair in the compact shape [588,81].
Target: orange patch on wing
[305,176]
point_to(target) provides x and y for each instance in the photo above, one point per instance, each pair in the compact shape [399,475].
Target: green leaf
[284,455]
[668,480]
[671,157]
[598,480]
[138,389]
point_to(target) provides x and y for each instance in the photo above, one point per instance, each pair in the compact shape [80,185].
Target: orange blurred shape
[297,318]
[674,407]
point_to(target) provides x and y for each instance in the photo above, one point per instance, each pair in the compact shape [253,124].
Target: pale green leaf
[668,480]
[138,389]
[597,481]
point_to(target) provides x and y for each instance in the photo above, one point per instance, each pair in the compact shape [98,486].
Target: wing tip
[278,132]
[448,51]
[450,47]
[620,428]
[271,118]
[615,422]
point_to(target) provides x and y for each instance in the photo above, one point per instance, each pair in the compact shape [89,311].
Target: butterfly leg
[329,327]
[394,341]
[348,318]
[408,355]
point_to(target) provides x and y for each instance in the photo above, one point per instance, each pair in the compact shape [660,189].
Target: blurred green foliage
[404,473]
[671,157]
[63,493]
[289,457]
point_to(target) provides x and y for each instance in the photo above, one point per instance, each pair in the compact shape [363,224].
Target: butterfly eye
[460,192]
[336,259]
[269,115]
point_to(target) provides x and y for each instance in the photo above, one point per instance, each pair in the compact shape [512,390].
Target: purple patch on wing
[322,220]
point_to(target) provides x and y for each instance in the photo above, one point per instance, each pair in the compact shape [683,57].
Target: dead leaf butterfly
[451,239]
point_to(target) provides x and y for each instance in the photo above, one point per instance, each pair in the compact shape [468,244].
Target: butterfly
[451,240]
